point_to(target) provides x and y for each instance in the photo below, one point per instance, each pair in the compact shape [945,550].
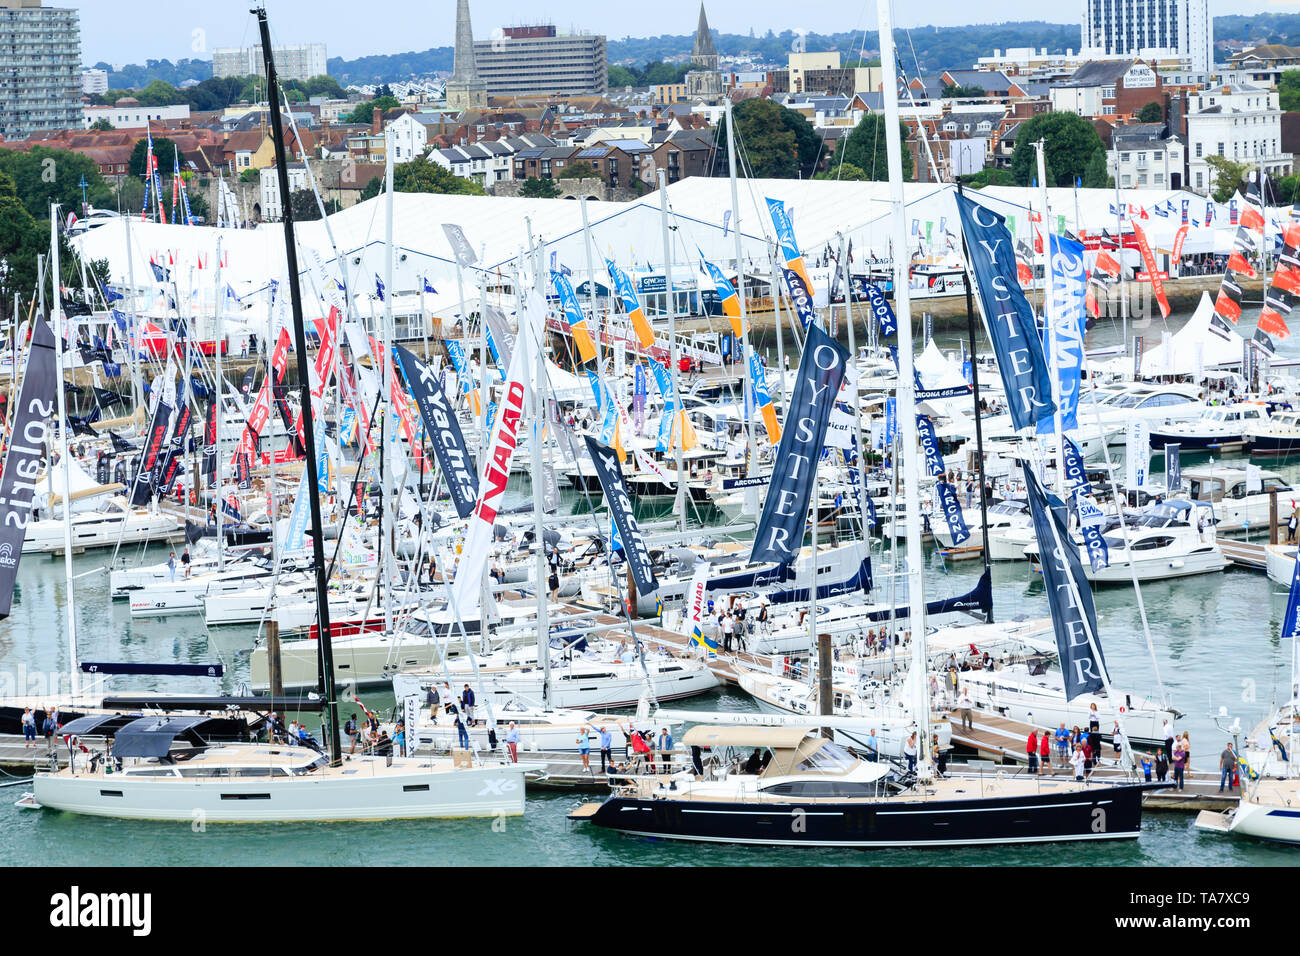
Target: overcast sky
[131,31]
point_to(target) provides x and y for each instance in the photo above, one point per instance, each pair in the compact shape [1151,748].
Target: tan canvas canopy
[783,738]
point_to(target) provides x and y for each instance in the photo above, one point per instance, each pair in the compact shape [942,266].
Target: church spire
[465,90]
[703,41]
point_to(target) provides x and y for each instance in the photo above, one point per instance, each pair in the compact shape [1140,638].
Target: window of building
[1221,153]
[1200,179]
[1198,149]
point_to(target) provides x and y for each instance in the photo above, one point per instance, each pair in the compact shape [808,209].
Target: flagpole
[678,504]
[220,387]
[854,412]
[60,350]
[1119,238]
[751,494]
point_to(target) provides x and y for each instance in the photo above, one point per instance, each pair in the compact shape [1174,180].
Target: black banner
[22,465]
[171,463]
[821,370]
[146,470]
[210,443]
[1081,668]
[443,429]
[610,473]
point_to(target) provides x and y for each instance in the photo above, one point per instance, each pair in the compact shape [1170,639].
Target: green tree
[1288,90]
[657,73]
[989,176]
[866,149]
[363,113]
[102,125]
[129,198]
[621,76]
[843,171]
[21,240]
[250,176]
[534,188]
[579,170]
[772,142]
[1070,142]
[1095,175]
[422,176]
[1229,177]
[1287,188]
[1153,112]
[164,151]
[41,176]
[952,91]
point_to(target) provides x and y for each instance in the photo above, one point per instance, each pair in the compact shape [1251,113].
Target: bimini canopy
[97,725]
[154,736]
[776,738]
[1207,340]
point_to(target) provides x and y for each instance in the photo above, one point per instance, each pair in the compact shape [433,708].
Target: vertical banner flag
[881,309]
[460,247]
[1179,237]
[800,297]
[785,512]
[443,431]
[952,512]
[1173,467]
[574,315]
[499,335]
[1011,322]
[696,609]
[631,304]
[930,446]
[146,472]
[22,462]
[1137,453]
[464,375]
[1080,665]
[503,440]
[210,439]
[726,295]
[1291,620]
[610,473]
[410,724]
[170,466]
[1066,327]
[762,398]
[1091,517]
[789,247]
[1149,262]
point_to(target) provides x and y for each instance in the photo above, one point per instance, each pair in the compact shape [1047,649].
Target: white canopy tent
[1197,346]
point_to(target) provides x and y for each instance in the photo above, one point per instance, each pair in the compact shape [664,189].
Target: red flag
[1024,273]
[1090,302]
[1178,242]
[1273,323]
[1291,235]
[1287,278]
[1252,219]
[1107,264]
[1227,308]
[1238,263]
[1149,260]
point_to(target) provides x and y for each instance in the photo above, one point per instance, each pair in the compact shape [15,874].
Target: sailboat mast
[1050,319]
[906,385]
[60,350]
[388,526]
[679,505]
[740,295]
[219,389]
[538,482]
[325,640]
[853,392]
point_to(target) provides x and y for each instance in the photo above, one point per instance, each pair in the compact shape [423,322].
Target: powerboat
[1221,428]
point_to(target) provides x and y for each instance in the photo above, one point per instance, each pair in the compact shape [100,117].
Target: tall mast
[538,480]
[906,386]
[751,494]
[220,388]
[304,387]
[678,504]
[1050,319]
[388,526]
[60,350]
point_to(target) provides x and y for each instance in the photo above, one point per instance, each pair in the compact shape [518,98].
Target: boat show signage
[23,461]
[1066,327]
[460,247]
[573,314]
[171,463]
[800,297]
[785,512]
[930,446]
[146,475]
[610,473]
[443,430]
[881,309]
[1008,315]
[1072,619]
[951,508]
[789,245]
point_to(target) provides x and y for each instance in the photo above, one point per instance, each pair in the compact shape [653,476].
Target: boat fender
[1176,564]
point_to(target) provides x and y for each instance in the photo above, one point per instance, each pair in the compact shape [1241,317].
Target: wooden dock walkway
[17,758]
[1244,554]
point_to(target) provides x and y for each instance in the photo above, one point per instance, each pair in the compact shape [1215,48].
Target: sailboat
[143,775]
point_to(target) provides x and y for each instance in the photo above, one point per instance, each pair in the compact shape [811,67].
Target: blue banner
[443,430]
[881,309]
[1091,521]
[1066,325]
[930,446]
[635,551]
[1173,467]
[1076,479]
[891,421]
[800,297]
[1010,319]
[1080,665]
[1291,620]
[785,512]
[951,508]
[297,527]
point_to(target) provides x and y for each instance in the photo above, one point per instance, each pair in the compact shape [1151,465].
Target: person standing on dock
[512,743]
[1077,762]
[584,748]
[964,705]
[171,566]
[606,745]
[1180,763]
[1162,765]
[29,728]
[1045,751]
[1293,522]
[1227,766]
[1031,751]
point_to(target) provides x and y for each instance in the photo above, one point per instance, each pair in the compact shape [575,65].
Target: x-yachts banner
[1291,622]
[22,464]
[1173,467]
[1066,326]
[443,429]
[507,426]
[785,512]
[1072,619]
[610,473]
[1010,319]
[171,464]
[146,472]
[210,441]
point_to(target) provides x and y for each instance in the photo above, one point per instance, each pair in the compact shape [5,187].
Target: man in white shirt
[965,705]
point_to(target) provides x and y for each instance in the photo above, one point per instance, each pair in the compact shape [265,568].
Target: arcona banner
[930,446]
[952,512]
[443,430]
[610,473]
[1010,319]
[146,477]
[1076,478]
[22,464]
[1081,667]
[881,309]
[800,297]
[821,369]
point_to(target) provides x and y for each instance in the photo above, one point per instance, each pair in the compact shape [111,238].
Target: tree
[865,148]
[21,240]
[41,176]
[363,113]
[422,176]
[620,76]
[843,171]
[534,188]
[1070,142]
[1153,112]
[1095,175]
[1288,90]
[250,175]
[163,149]
[1287,189]
[579,170]
[952,91]
[102,125]
[772,142]
[1229,177]
[989,176]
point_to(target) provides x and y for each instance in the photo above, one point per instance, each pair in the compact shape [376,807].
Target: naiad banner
[1072,619]
[146,471]
[443,430]
[23,463]
[610,473]
[785,512]
[1011,323]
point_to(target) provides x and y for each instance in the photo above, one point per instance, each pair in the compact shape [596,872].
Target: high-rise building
[537,61]
[300,62]
[40,68]
[1147,28]
[465,90]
